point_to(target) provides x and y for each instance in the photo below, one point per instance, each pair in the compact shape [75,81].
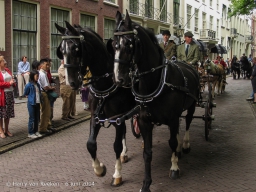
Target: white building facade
[206,19]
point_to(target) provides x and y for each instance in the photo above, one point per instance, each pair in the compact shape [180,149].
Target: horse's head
[71,50]
[123,45]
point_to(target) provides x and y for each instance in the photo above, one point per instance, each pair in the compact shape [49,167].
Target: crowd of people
[38,86]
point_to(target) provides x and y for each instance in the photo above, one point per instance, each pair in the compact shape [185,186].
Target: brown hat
[166,32]
[188,34]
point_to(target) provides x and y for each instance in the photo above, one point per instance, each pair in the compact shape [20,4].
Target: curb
[27,140]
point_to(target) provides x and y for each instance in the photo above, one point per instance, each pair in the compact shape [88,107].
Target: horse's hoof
[178,154]
[186,151]
[103,172]
[116,182]
[143,190]
[174,174]
[124,159]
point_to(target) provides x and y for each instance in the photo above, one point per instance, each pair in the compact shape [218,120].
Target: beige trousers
[67,96]
[21,84]
[45,112]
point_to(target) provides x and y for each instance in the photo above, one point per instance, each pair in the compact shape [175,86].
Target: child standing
[32,91]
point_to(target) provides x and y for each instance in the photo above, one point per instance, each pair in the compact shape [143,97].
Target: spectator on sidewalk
[67,95]
[6,98]
[52,83]
[85,90]
[23,74]
[32,92]
[45,102]
[35,65]
[253,79]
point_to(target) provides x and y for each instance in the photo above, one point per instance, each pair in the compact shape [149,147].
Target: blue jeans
[252,95]
[34,114]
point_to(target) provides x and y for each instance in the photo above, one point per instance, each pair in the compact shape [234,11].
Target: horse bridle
[131,62]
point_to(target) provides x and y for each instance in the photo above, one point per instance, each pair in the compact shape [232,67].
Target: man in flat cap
[189,51]
[167,45]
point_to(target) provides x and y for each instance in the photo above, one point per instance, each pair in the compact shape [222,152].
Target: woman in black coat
[253,78]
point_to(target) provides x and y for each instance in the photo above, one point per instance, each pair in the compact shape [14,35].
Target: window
[196,20]
[112,1]
[163,7]
[188,15]
[134,6]
[210,3]
[217,5]
[109,27]
[204,20]
[176,12]
[149,9]
[217,32]
[211,22]
[88,21]
[57,16]
[24,32]
[203,1]
[224,12]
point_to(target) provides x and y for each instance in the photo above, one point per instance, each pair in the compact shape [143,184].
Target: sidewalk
[19,125]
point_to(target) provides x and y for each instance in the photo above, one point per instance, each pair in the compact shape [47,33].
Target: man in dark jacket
[168,46]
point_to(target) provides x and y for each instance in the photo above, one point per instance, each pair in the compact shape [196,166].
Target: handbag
[52,95]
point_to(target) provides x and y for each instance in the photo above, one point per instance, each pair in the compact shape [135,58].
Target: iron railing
[150,12]
[207,34]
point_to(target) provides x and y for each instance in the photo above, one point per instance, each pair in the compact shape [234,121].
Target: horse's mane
[150,34]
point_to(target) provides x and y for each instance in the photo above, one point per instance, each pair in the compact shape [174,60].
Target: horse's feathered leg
[124,156]
[189,117]
[99,168]
[146,128]
[173,143]
[117,177]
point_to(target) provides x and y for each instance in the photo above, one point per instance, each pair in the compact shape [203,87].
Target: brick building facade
[98,11]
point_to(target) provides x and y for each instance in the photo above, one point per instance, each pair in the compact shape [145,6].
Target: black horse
[82,47]
[235,68]
[163,89]
[246,67]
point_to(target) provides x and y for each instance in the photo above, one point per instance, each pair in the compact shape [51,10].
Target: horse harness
[135,76]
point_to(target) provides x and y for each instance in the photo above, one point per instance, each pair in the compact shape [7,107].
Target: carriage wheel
[208,113]
[135,127]
[207,119]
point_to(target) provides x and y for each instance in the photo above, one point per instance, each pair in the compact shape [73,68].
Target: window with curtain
[87,21]
[176,11]
[24,32]
[188,16]
[57,16]
[149,9]
[210,3]
[196,19]
[109,27]
[217,5]
[134,6]
[163,8]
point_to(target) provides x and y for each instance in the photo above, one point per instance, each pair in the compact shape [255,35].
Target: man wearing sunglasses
[189,51]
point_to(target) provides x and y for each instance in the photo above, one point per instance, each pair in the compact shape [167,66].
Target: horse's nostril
[72,84]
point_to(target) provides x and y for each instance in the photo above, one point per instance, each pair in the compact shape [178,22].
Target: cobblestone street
[227,162]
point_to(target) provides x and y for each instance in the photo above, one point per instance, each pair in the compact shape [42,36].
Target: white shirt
[37,94]
[7,78]
[43,79]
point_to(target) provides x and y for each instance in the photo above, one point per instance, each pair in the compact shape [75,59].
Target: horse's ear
[71,28]
[110,48]
[118,18]
[128,21]
[60,29]
[58,52]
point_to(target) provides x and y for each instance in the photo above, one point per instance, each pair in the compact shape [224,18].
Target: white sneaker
[38,134]
[33,136]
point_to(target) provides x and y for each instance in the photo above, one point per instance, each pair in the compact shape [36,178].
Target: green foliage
[242,7]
